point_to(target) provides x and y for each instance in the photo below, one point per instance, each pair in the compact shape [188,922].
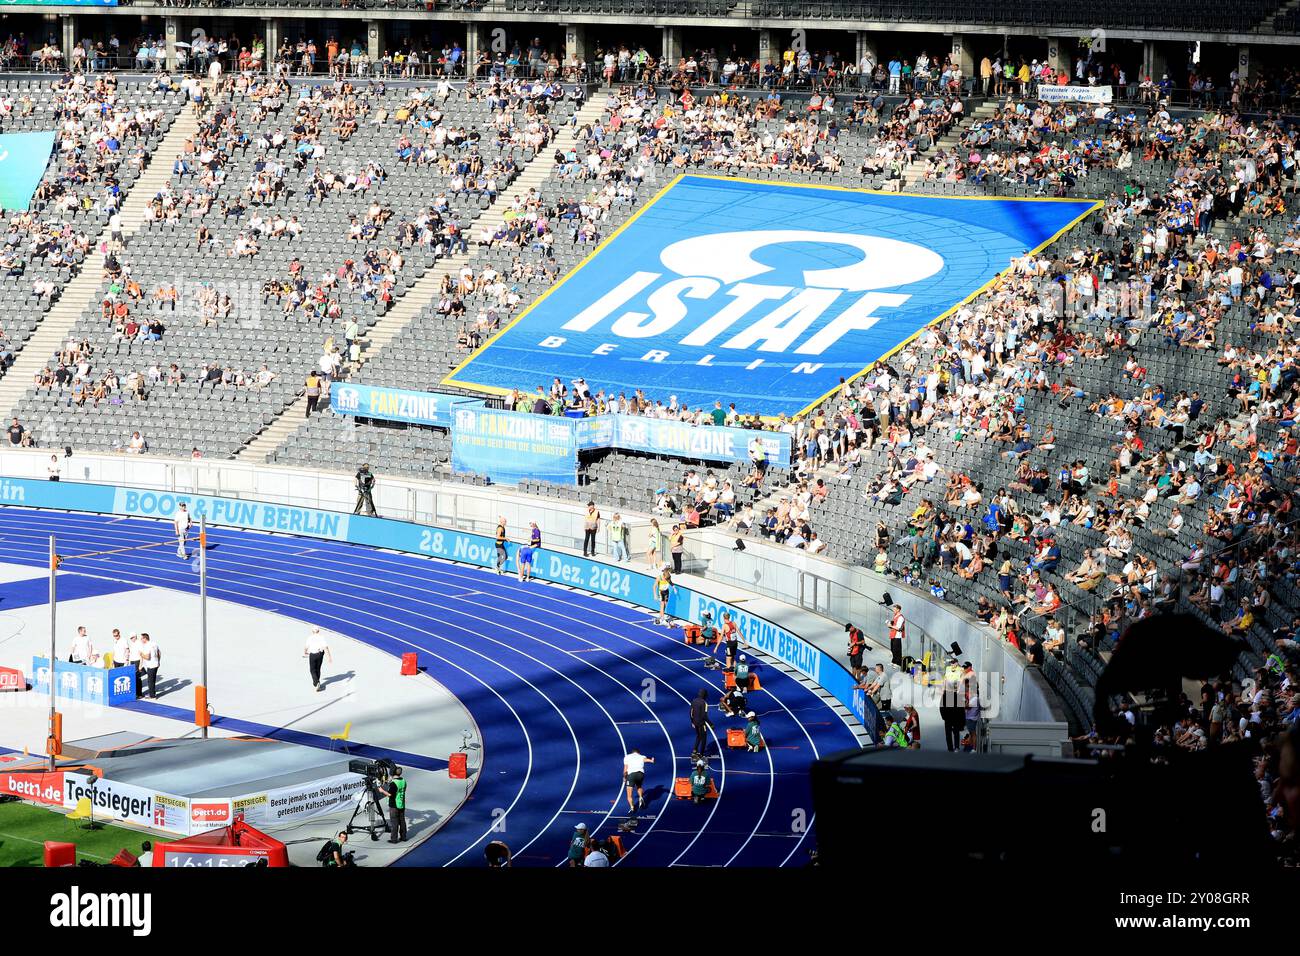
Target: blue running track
[560,684]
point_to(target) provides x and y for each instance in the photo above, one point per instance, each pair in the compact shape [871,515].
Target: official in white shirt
[82,649]
[316,650]
[121,649]
[150,660]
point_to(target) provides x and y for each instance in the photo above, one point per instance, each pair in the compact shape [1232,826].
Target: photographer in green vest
[395,791]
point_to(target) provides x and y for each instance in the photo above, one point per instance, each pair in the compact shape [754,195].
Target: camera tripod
[370,801]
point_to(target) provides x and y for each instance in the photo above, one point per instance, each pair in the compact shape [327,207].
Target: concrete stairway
[914,170]
[84,288]
[532,176]
[1266,26]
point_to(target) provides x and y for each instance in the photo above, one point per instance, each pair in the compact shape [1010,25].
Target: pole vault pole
[201,692]
[54,743]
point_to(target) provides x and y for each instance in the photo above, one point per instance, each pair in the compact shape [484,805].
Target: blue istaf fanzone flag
[23,158]
[764,294]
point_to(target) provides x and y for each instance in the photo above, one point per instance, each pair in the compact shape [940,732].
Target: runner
[729,635]
[501,545]
[634,779]
[182,523]
[524,561]
[663,588]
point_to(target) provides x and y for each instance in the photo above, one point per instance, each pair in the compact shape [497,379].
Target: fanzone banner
[628,432]
[764,294]
[23,158]
[706,442]
[1075,94]
[596,577]
[396,404]
[512,446]
[84,682]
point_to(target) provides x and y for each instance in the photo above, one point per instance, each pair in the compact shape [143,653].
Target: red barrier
[409,665]
[60,854]
[458,766]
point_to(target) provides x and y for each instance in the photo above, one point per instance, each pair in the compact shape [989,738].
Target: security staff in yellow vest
[894,735]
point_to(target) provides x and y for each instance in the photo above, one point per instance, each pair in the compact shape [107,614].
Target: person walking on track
[182,524]
[501,544]
[316,651]
[700,721]
[663,590]
[634,779]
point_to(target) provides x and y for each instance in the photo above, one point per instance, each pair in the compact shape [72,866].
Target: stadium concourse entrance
[391,33]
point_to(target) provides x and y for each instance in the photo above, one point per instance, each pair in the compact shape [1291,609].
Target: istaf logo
[346,398]
[761,316]
[760,293]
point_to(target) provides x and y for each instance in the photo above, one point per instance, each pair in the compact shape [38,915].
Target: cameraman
[332,855]
[396,794]
[365,491]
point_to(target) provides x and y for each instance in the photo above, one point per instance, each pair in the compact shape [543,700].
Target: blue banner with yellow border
[765,294]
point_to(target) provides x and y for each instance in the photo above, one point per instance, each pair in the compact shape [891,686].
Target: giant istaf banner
[761,293]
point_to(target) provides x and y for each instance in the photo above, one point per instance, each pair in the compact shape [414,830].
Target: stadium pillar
[68,22]
[1058,55]
[374,41]
[963,54]
[1153,61]
[1243,62]
[473,46]
[866,49]
[672,48]
[575,44]
[765,55]
[171,28]
[272,40]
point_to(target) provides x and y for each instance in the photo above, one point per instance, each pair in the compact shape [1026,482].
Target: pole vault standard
[201,717]
[54,737]
[54,741]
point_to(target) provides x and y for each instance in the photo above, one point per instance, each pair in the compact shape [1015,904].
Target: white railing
[448,504]
[833,589]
